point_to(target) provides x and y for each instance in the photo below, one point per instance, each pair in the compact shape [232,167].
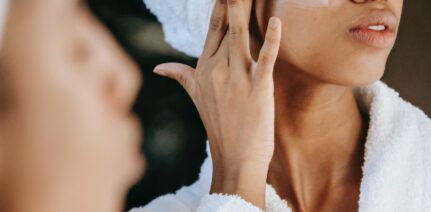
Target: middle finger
[239,39]
[217,29]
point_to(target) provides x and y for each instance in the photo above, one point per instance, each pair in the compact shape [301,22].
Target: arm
[235,98]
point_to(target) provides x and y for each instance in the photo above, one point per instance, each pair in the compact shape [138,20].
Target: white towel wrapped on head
[4,6]
[185,22]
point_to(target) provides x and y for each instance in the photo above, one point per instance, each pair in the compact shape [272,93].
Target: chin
[350,73]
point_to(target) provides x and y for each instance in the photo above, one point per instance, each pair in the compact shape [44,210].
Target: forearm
[247,181]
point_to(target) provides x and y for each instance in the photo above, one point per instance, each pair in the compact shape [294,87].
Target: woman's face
[65,82]
[343,42]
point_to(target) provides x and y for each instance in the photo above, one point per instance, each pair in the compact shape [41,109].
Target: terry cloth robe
[396,169]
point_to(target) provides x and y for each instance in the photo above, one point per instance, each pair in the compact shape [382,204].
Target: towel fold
[184,22]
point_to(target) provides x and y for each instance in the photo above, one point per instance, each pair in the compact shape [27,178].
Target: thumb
[184,74]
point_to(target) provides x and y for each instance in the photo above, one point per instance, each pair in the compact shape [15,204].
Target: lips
[375,29]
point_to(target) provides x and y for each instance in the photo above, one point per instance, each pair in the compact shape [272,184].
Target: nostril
[123,87]
[81,52]
[111,87]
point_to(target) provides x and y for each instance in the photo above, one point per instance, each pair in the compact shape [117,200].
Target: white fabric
[396,170]
[185,22]
[4,6]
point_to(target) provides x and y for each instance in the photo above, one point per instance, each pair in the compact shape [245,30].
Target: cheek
[398,7]
[304,3]
[332,58]
[316,43]
[308,3]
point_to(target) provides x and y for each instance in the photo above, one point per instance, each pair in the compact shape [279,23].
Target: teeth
[377,27]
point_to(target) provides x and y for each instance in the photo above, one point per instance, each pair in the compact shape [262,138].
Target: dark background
[174,136]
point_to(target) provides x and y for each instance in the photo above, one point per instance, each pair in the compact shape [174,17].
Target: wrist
[247,181]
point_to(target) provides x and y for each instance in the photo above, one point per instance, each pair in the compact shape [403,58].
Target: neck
[319,135]
[309,109]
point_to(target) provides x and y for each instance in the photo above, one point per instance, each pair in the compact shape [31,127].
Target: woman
[340,139]
[68,139]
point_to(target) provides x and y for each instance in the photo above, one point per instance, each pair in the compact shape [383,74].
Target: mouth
[377,29]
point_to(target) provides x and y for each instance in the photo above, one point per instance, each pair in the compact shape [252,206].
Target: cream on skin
[308,3]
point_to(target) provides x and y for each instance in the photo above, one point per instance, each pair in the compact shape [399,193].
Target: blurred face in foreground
[66,93]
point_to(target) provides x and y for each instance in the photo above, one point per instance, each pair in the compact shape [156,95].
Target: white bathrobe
[397,163]
[396,170]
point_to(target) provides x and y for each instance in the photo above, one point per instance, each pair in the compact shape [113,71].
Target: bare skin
[319,130]
[231,90]
[319,141]
[68,138]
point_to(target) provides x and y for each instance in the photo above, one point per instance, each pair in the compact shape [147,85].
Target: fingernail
[274,23]
[159,70]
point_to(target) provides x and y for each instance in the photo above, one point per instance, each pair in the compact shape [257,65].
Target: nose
[125,83]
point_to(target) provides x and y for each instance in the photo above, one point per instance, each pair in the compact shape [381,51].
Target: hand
[235,98]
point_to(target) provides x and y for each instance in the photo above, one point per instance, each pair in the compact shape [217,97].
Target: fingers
[239,41]
[223,51]
[182,73]
[268,53]
[217,29]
